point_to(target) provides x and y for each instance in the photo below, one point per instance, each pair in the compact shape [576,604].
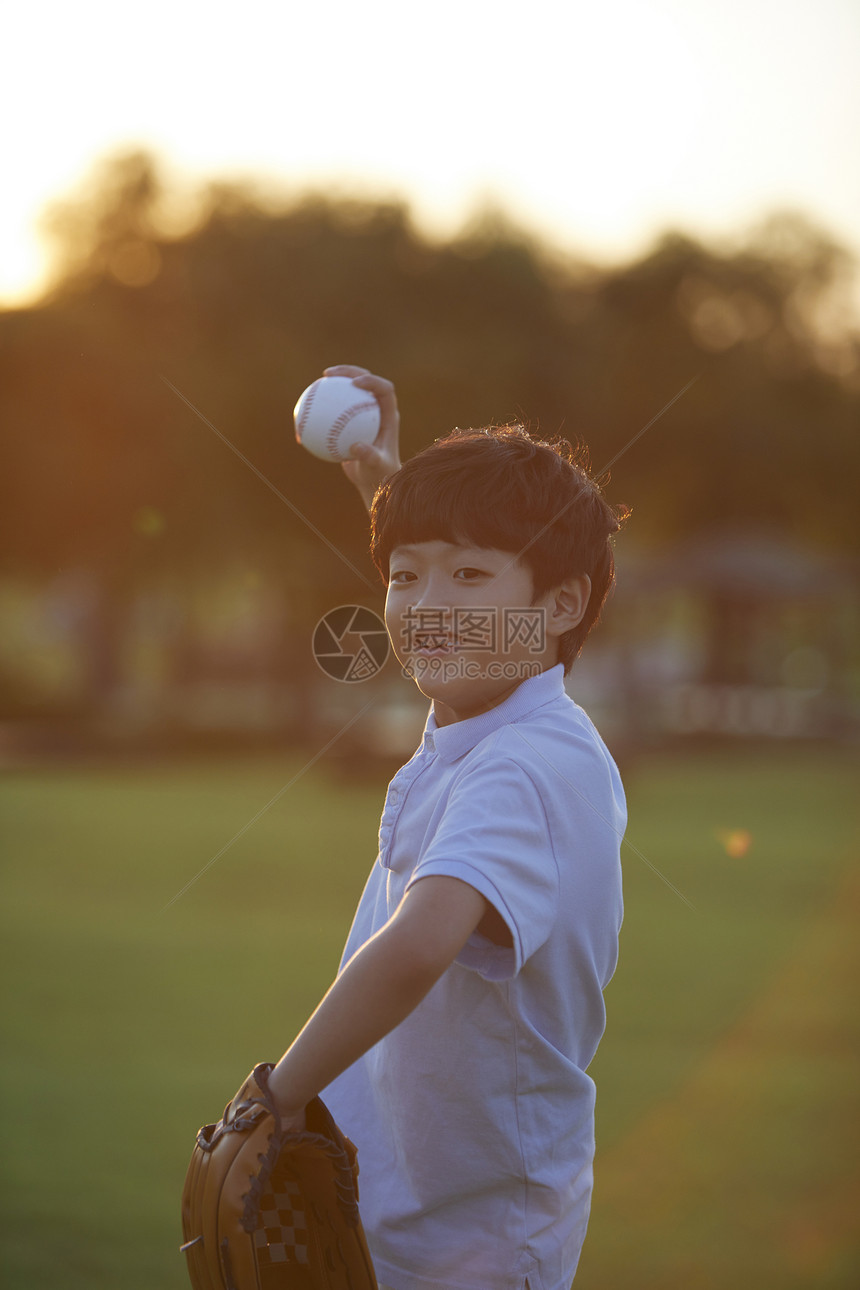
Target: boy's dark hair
[501,488]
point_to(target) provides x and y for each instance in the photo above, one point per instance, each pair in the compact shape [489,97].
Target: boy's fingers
[365,380]
[384,390]
[345,369]
[366,455]
[384,393]
[381,457]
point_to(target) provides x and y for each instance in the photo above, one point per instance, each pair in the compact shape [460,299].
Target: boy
[453,1046]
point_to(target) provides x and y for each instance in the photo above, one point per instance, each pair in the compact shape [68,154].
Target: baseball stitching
[339,426]
[306,409]
[342,422]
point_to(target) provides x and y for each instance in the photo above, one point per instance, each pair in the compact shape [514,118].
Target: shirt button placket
[397,791]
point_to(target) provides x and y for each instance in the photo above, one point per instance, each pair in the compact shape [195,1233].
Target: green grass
[728,1079]
[726,1082]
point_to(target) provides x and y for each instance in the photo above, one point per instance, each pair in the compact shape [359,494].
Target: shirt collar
[460,737]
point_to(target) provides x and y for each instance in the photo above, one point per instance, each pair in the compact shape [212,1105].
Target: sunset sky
[598,125]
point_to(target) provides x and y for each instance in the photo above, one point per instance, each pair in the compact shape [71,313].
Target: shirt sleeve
[494,835]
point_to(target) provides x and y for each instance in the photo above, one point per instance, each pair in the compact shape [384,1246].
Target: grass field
[728,1080]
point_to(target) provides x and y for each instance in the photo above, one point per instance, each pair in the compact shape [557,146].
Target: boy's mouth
[433,643]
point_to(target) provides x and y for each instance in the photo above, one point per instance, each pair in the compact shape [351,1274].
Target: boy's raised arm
[390,975]
[373,463]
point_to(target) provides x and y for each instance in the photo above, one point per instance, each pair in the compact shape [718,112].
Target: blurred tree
[108,470]
[113,228]
[768,423]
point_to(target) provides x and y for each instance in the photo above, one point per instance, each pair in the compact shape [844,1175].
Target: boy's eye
[466,574]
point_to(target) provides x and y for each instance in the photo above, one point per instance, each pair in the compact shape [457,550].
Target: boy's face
[463,625]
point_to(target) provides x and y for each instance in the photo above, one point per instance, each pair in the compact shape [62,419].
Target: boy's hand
[370,464]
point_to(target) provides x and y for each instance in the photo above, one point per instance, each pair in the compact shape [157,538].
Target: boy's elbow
[431,926]
[431,956]
[413,962]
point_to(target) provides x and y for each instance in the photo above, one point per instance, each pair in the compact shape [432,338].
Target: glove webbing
[344,1181]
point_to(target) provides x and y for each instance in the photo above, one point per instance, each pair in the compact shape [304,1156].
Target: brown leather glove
[266,1209]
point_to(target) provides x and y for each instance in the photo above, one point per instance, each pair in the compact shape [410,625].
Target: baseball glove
[265,1209]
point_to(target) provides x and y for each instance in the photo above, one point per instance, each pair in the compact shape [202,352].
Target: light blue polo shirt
[474,1118]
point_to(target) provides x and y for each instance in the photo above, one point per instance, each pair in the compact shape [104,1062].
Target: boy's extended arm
[373,463]
[379,987]
[390,975]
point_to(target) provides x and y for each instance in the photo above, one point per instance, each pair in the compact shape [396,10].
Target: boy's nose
[429,594]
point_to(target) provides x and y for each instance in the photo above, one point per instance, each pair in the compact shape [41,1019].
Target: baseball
[332,415]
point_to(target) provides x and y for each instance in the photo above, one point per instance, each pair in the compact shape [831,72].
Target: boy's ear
[566,605]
